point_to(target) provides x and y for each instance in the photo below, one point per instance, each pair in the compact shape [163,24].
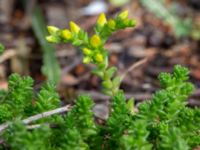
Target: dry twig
[133,66]
[39,116]
[7,55]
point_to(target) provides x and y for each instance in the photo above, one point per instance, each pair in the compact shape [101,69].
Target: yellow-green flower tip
[123,15]
[52,29]
[99,58]
[95,41]
[66,34]
[133,22]
[74,27]
[111,24]
[86,60]
[102,19]
[87,51]
[51,39]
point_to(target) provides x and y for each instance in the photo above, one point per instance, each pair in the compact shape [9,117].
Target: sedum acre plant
[163,123]
[93,47]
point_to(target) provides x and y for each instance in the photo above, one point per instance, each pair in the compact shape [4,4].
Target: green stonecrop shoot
[19,100]
[93,47]
[164,122]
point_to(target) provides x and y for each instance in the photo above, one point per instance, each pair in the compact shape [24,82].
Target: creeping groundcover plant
[31,121]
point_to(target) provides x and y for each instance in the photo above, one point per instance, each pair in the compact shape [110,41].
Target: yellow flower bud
[52,29]
[102,19]
[123,15]
[86,60]
[74,27]
[87,51]
[66,34]
[126,21]
[99,58]
[95,41]
[111,24]
[51,39]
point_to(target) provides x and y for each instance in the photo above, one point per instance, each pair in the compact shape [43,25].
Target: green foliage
[123,130]
[20,138]
[119,118]
[20,91]
[172,138]
[47,98]
[164,112]
[78,126]
[164,122]
[19,100]
[5,112]
[136,136]
[168,102]
[84,122]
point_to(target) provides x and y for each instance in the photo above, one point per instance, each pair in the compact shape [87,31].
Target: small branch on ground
[133,66]
[39,116]
[7,55]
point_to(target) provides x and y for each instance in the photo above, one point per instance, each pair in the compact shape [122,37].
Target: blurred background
[167,33]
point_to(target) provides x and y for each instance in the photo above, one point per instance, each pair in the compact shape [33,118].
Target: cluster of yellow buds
[93,47]
[92,56]
[57,35]
[67,34]
[107,27]
[123,18]
[95,54]
[53,31]
[103,21]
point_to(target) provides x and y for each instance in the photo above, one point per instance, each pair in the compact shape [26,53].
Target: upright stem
[108,81]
